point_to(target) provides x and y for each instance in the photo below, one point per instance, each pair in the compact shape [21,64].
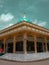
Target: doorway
[10,47]
[19,47]
[30,47]
[39,47]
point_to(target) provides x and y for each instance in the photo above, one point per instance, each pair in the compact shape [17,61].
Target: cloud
[35,21]
[40,23]
[8,25]
[6,17]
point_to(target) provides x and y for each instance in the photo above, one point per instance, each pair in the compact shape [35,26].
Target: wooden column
[4,45]
[35,43]
[24,43]
[14,44]
[46,44]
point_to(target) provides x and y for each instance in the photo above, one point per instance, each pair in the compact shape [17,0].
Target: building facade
[24,37]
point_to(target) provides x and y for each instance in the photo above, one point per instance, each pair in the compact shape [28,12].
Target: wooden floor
[41,62]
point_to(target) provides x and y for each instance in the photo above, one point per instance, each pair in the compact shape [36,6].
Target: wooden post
[14,44]
[46,44]
[35,43]
[24,43]
[4,45]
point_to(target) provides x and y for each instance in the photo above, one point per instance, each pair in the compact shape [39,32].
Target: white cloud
[6,17]
[40,23]
[35,21]
[8,25]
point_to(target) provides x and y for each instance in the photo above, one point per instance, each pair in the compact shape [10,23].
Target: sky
[35,10]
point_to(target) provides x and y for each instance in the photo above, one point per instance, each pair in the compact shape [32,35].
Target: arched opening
[19,47]
[30,44]
[1,44]
[9,45]
[48,44]
[30,47]
[40,45]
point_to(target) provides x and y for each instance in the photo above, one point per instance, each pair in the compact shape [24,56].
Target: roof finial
[24,15]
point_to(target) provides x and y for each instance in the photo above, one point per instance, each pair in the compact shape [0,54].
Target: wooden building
[24,37]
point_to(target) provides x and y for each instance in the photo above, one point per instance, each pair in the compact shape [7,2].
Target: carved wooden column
[4,45]
[24,43]
[46,44]
[14,44]
[35,43]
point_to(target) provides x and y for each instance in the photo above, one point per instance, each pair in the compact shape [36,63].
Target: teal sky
[11,11]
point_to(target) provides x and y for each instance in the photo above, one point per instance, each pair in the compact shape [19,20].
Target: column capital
[25,35]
